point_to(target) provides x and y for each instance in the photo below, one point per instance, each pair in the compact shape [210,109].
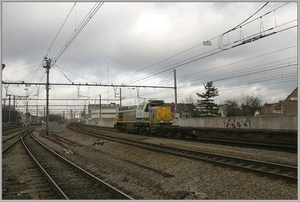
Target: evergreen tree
[207,104]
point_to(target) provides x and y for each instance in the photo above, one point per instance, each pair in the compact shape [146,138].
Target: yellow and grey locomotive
[148,117]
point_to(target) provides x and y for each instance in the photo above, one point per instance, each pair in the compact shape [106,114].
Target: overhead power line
[61,28]
[63,73]
[232,86]
[246,71]
[240,42]
[239,25]
[21,70]
[155,73]
[192,47]
[93,11]
[215,51]
[73,73]
[87,84]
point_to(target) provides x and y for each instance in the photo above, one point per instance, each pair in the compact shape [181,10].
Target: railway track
[70,181]
[7,131]
[278,171]
[282,140]
[12,189]
[11,139]
[187,134]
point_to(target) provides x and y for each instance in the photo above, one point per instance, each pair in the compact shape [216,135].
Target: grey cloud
[133,36]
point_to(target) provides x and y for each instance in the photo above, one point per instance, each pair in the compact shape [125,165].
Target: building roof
[294,92]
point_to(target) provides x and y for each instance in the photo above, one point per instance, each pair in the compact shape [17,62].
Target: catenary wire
[60,28]
[179,52]
[245,69]
[163,60]
[206,54]
[93,11]
[193,46]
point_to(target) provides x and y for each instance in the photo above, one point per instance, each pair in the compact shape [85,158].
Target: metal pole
[100,105]
[14,109]
[14,103]
[9,110]
[120,98]
[107,82]
[175,89]
[4,112]
[47,98]
[84,111]
[90,110]
[47,66]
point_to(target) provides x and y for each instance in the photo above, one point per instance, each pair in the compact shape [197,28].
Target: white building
[95,112]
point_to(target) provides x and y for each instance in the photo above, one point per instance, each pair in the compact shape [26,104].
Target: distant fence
[258,122]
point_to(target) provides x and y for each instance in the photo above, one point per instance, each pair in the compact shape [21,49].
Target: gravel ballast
[173,177]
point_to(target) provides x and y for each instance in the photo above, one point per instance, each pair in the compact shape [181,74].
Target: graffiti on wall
[237,123]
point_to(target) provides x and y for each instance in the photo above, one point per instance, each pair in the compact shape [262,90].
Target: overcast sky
[253,50]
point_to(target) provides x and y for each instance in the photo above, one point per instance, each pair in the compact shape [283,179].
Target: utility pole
[100,105]
[71,116]
[120,98]
[83,113]
[175,89]
[14,103]
[9,109]
[107,82]
[27,107]
[47,66]
[90,110]
[4,119]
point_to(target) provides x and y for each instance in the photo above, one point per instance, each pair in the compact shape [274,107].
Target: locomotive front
[160,116]
[149,116]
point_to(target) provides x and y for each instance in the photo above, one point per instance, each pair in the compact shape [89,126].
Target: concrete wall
[259,122]
[109,122]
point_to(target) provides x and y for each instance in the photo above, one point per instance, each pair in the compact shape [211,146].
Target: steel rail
[11,144]
[265,168]
[188,136]
[41,167]
[103,184]
[14,142]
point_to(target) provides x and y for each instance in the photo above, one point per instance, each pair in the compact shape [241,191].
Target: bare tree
[231,102]
[251,103]
[230,107]
[187,100]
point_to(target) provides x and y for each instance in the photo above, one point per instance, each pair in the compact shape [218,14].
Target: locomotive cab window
[147,108]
